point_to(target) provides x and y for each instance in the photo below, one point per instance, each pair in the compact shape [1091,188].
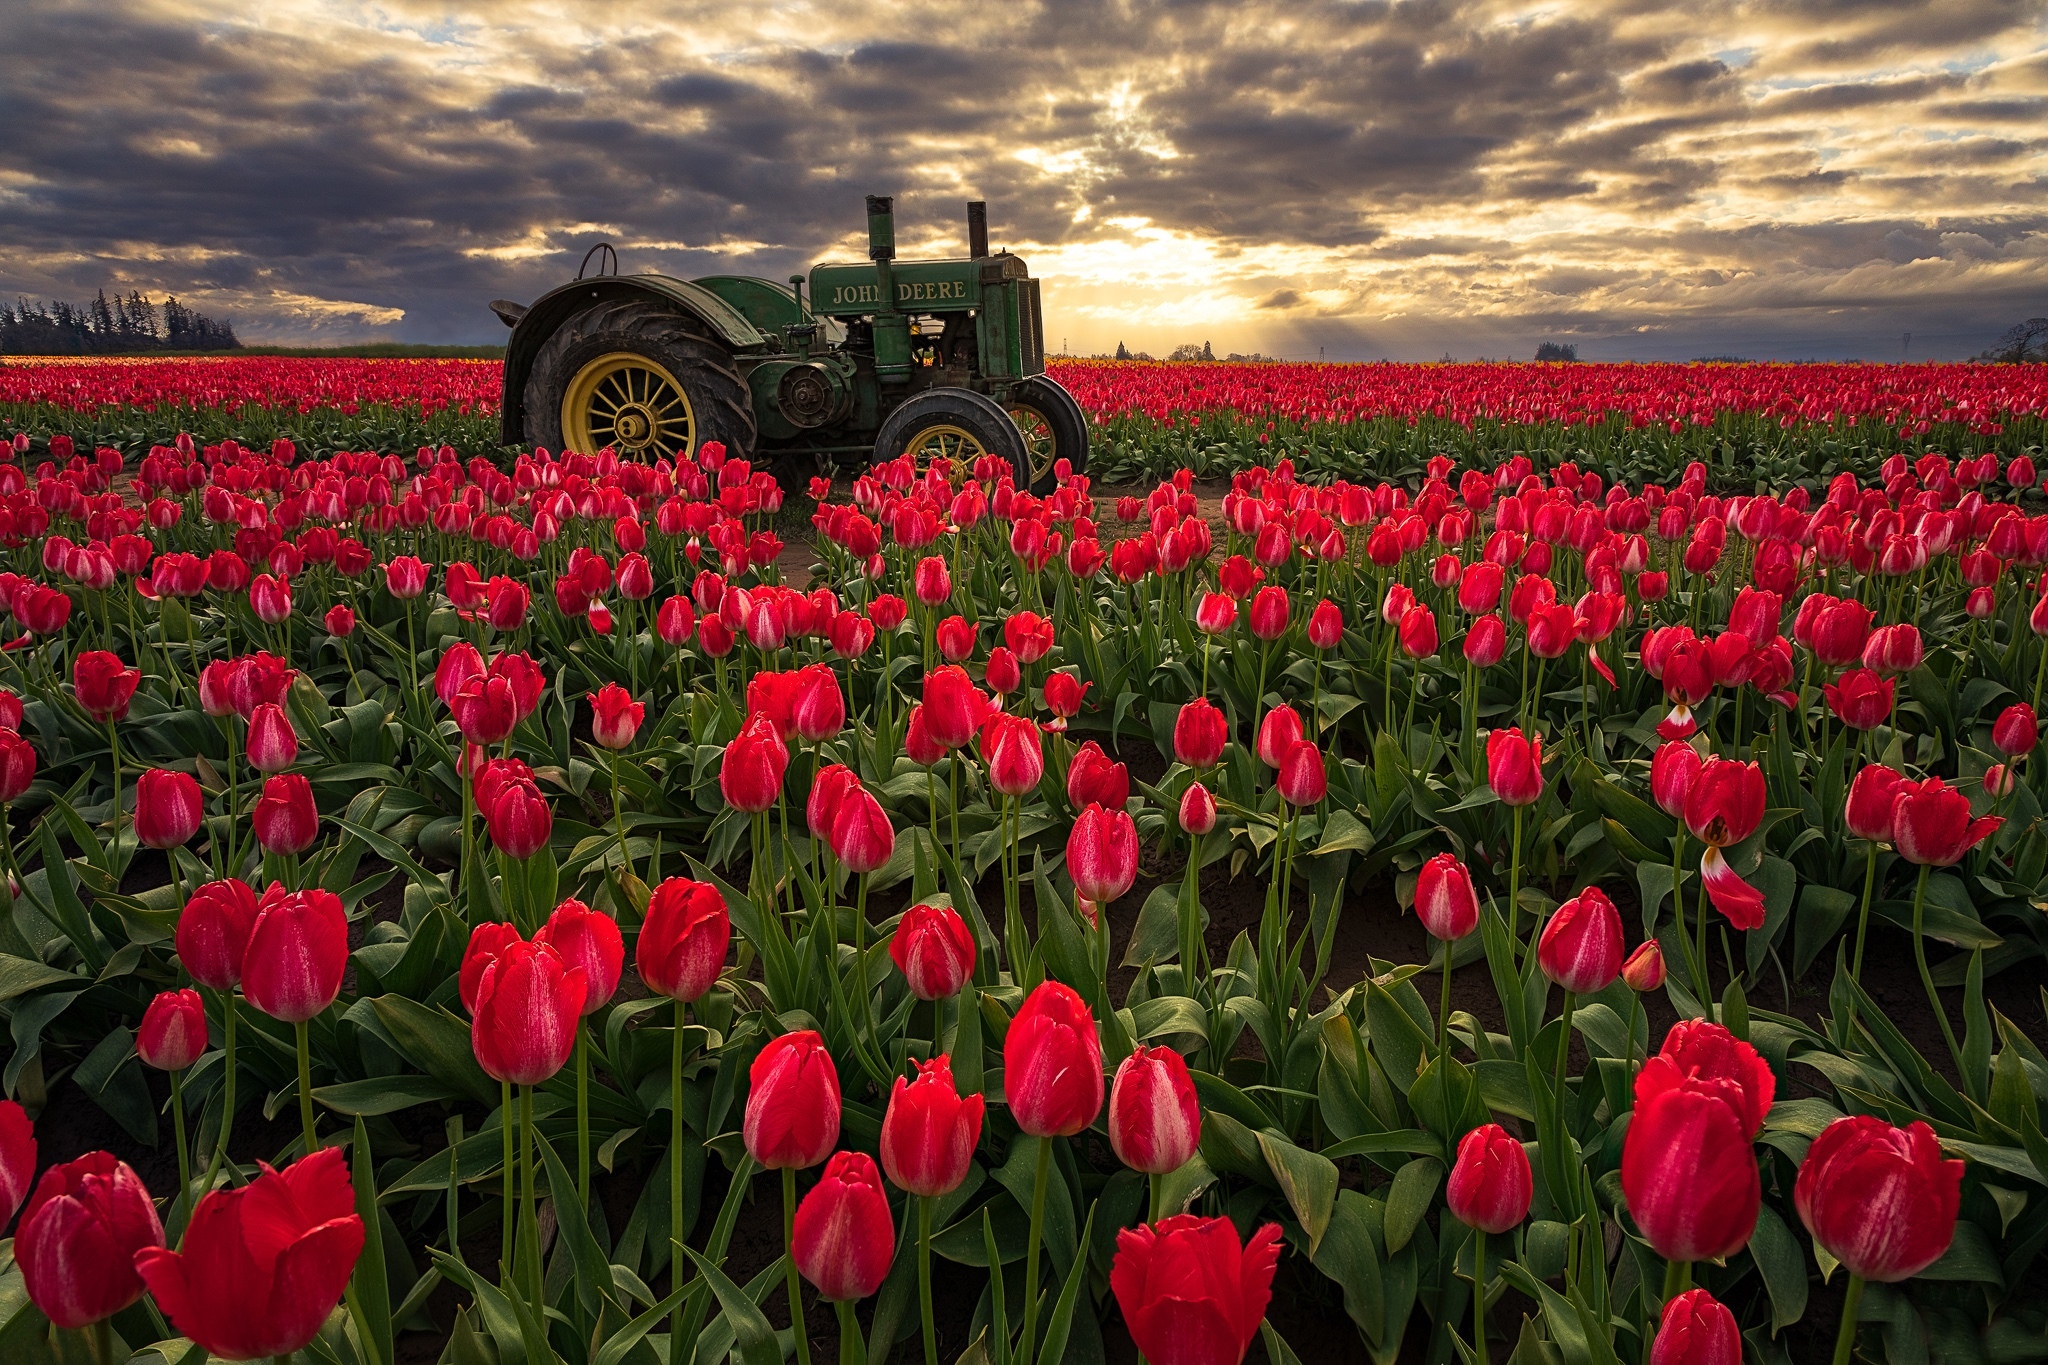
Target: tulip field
[495,908]
[1639,422]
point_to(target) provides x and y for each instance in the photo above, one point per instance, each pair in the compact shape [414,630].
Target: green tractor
[934,359]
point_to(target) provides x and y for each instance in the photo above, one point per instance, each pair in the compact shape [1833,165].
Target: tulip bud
[17,766]
[79,1238]
[1644,970]
[527,1004]
[1002,674]
[1444,899]
[1102,853]
[929,1132]
[792,1118]
[1302,779]
[614,716]
[844,1239]
[1580,949]
[1052,1063]
[1514,766]
[750,774]
[932,582]
[588,941]
[340,620]
[285,819]
[213,932]
[1491,1183]
[1092,779]
[1215,613]
[1881,1200]
[1932,826]
[1200,732]
[273,744]
[168,807]
[862,838]
[1696,1330]
[1189,1292]
[1197,810]
[1326,625]
[173,1031]
[1485,641]
[935,951]
[1155,1122]
[683,941]
[297,953]
[1280,731]
[17,1159]
[1673,771]
[2016,731]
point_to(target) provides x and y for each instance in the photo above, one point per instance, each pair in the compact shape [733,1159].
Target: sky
[1775,179]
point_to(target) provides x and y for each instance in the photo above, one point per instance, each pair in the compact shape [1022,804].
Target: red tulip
[1491,1184]
[17,766]
[1155,1122]
[1644,970]
[955,637]
[1215,613]
[1092,779]
[1418,637]
[1326,625]
[168,808]
[1002,673]
[1696,1330]
[79,1238]
[828,789]
[1881,1200]
[1840,631]
[844,1239]
[2016,731]
[1726,802]
[1873,797]
[526,1007]
[1861,700]
[953,707]
[1189,1294]
[1479,587]
[297,953]
[1672,774]
[1052,1063]
[1444,899]
[1553,627]
[1514,767]
[614,716]
[340,620]
[1200,731]
[682,944]
[818,707]
[792,1118]
[1102,854]
[1063,696]
[486,709]
[1029,636]
[457,667]
[405,577]
[674,621]
[862,838]
[103,685]
[1016,761]
[17,1158]
[514,811]
[1893,649]
[262,1266]
[1702,1049]
[1688,1173]
[172,1034]
[1581,945]
[213,932]
[1485,642]
[1302,779]
[285,819]
[932,582]
[273,745]
[1269,612]
[270,598]
[750,775]
[1931,824]
[590,942]
[1280,731]
[934,949]
[929,1132]
[1197,809]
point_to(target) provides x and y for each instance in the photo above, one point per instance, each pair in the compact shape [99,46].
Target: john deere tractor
[880,358]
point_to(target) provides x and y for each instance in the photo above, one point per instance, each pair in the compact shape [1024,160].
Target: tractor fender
[548,312]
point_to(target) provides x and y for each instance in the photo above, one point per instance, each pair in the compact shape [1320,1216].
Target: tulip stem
[114,819]
[1701,964]
[1515,877]
[1862,930]
[583,1114]
[852,1350]
[101,1333]
[924,1278]
[1478,1296]
[1845,1338]
[299,1032]
[1677,1278]
[227,1091]
[1023,1355]
[529,1215]
[1564,1051]
[1443,1040]
[1927,977]
[796,1292]
[505,1220]
[677,1260]
[184,1152]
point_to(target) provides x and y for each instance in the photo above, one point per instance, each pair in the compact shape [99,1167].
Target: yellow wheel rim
[1041,448]
[944,442]
[630,403]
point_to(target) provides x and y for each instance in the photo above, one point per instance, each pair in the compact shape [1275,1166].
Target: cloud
[1776,176]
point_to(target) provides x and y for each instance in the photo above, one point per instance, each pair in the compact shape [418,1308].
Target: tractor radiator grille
[1031,330]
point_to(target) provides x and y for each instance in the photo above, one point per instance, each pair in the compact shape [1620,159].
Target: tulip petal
[1742,903]
[1677,723]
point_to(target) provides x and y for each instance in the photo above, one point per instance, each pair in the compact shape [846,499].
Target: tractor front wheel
[952,424]
[639,378]
[1054,429]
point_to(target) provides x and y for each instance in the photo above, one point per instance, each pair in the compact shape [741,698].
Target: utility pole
[1905,344]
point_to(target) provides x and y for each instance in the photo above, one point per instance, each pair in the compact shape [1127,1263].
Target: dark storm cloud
[314,171]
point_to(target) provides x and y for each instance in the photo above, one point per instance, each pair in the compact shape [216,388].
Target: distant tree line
[1188,350]
[110,326]
[2027,341]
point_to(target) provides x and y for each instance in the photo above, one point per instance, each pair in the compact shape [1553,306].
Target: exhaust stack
[977,229]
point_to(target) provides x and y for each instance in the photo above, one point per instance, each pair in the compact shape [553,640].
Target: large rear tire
[1054,429]
[640,378]
[952,424]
